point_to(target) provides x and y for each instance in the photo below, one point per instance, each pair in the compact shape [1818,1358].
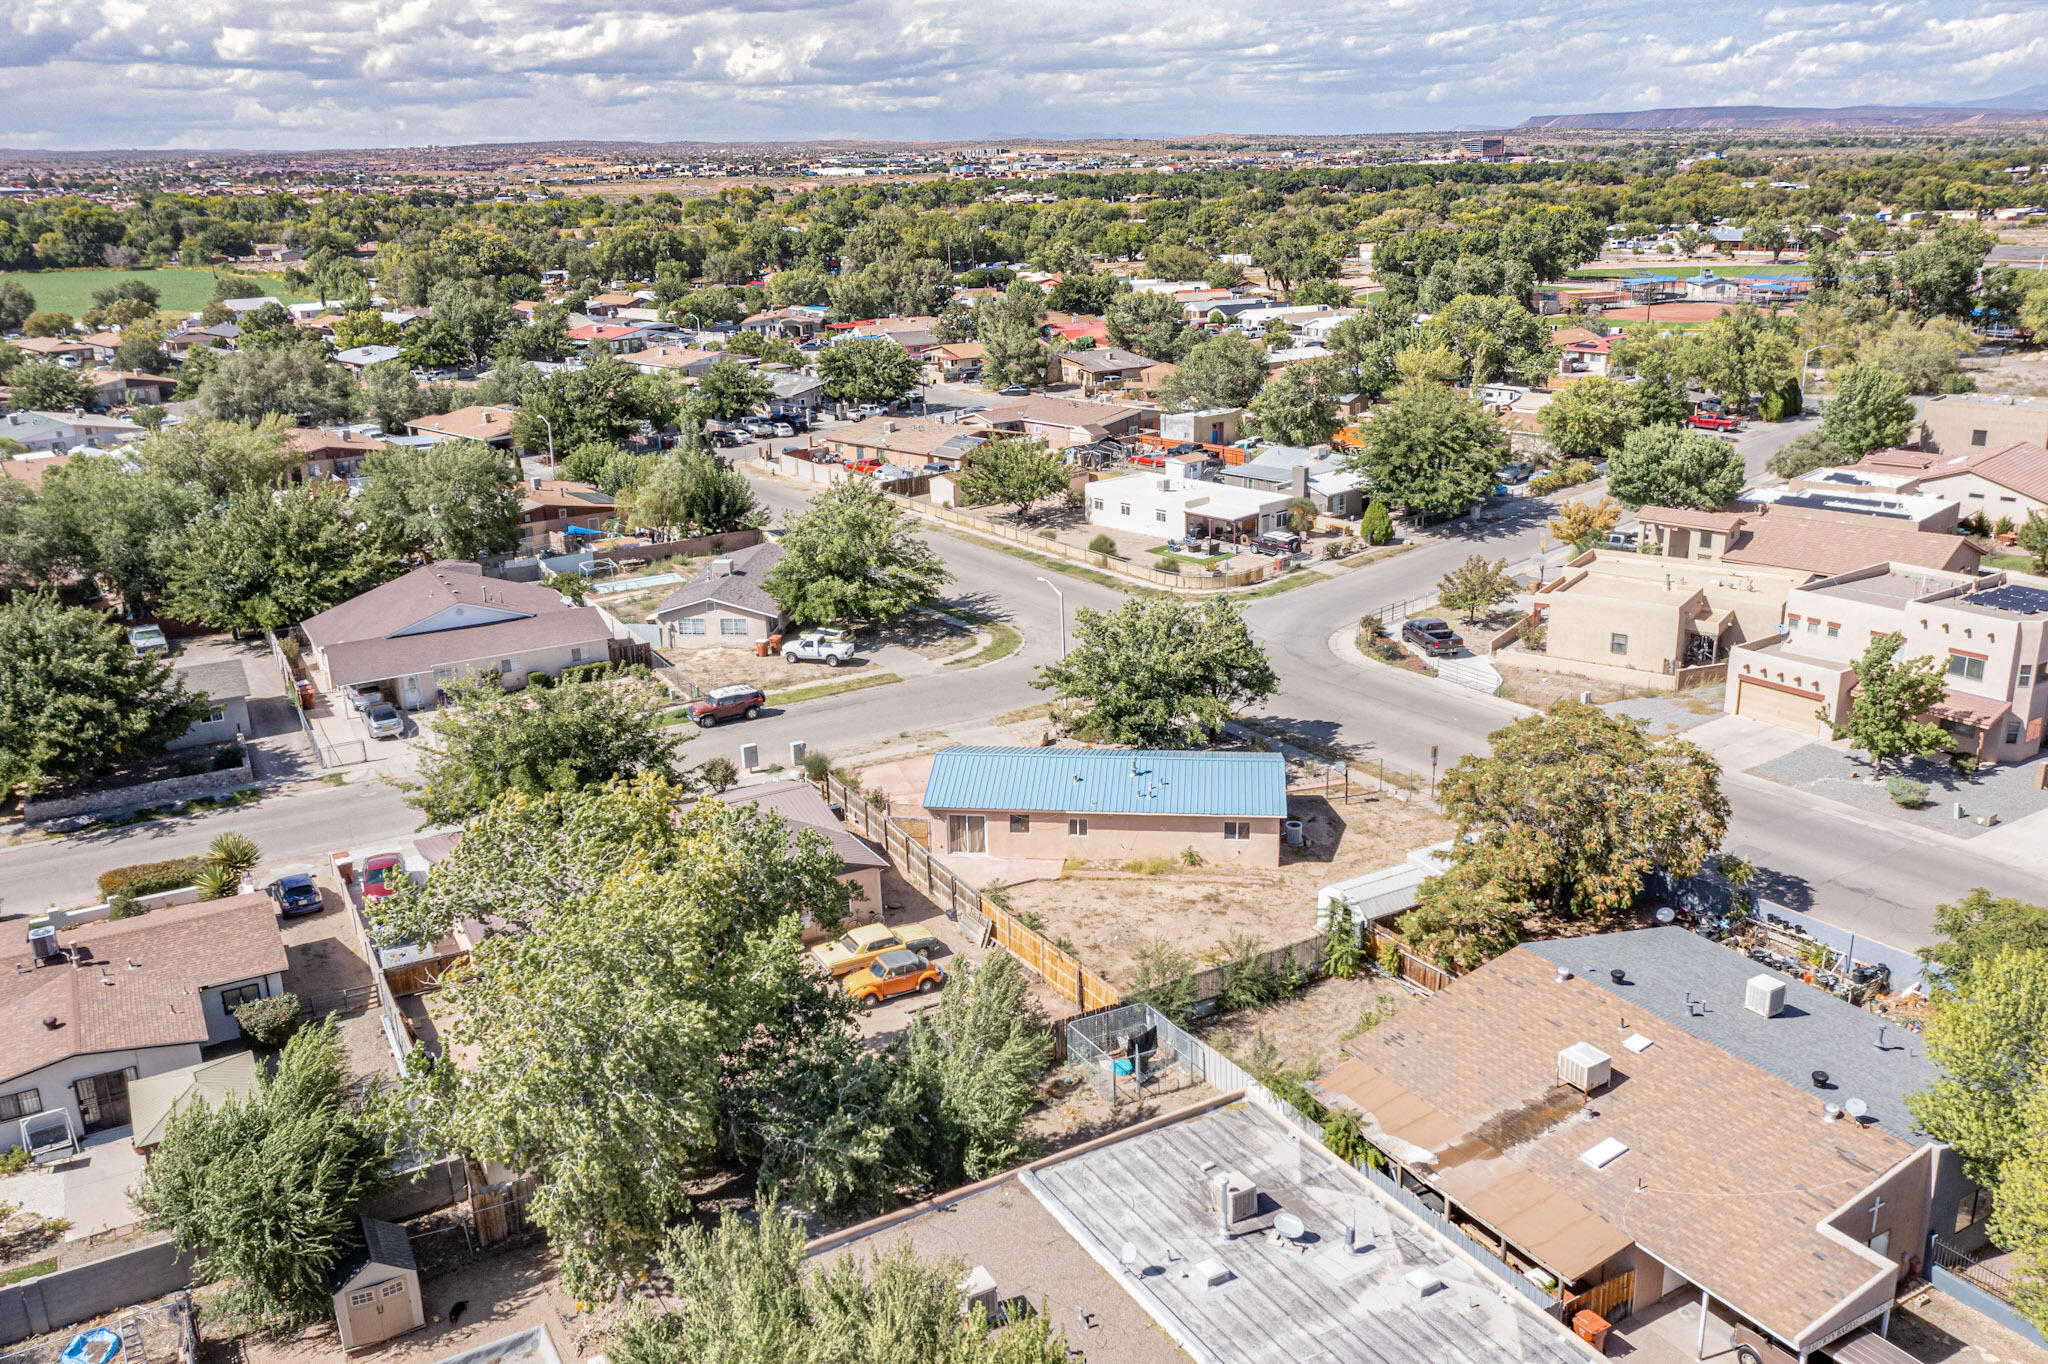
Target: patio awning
[1867,1347]
[1980,712]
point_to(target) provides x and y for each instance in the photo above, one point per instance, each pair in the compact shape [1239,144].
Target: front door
[102,1101]
[966,834]
[409,688]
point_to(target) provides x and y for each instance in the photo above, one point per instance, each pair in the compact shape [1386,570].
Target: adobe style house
[94,1005]
[1647,1117]
[1107,804]
[445,622]
[1795,537]
[2000,480]
[1990,635]
[724,605]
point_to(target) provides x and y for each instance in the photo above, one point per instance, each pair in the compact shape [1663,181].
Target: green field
[1723,268]
[183,291]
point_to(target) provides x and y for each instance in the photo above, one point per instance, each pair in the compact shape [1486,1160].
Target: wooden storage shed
[377,1288]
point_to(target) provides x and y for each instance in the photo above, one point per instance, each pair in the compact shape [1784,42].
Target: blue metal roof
[1108,781]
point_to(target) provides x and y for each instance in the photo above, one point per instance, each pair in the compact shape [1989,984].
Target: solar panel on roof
[2013,597]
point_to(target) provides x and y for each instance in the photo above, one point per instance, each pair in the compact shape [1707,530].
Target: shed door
[366,1317]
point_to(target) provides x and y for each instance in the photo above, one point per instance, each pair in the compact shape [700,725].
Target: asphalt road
[1873,876]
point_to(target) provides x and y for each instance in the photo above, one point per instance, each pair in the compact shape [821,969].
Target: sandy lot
[1310,1027]
[1110,915]
[712,668]
[2022,372]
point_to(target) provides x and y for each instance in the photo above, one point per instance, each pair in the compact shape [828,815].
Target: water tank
[1764,995]
[1292,833]
[1584,1067]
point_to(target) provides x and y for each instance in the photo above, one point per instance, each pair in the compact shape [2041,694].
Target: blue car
[295,894]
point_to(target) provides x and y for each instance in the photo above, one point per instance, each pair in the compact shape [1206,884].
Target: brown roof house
[909,442]
[1059,422]
[2008,480]
[1102,368]
[491,425]
[325,454]
[804,809]
[550,507]
[446,621]
[725,605]
[1796,537]
[89,1006]
[1646,1116]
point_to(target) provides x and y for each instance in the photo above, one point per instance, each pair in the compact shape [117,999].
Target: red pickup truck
[1715,421]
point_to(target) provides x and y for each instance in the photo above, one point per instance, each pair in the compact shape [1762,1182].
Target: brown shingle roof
[467,423]
[1045,411]
[432,588]
[140,985]
[799,803]
[1687,518]
[574,497]
[1789,537]
[311,441]
[31,471]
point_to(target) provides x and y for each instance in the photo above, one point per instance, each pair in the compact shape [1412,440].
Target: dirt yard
[932,637]
[1110,914]
[1543,689]
[711,668]
[1311,1027]
[2018,372]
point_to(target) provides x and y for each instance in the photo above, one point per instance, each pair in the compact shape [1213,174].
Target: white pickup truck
[818,647]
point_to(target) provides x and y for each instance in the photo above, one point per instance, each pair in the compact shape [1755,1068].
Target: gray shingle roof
[742,588]
[225,680]
[799,802]
[1815,1032]
[384,1243]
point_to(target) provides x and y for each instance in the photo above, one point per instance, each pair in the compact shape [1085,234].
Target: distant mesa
[1766,116]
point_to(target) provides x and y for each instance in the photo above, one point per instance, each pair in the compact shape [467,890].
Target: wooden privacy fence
[1107,563]
[982,918]
[1428,975]
[1305,956]
[1613,1300]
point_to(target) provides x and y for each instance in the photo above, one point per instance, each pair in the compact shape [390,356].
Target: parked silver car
[385,721]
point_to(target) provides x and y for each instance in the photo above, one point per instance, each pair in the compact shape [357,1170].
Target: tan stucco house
[725,605]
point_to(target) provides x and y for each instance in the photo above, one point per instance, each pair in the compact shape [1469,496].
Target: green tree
[742,1292]
[43,387]
[1872,410]
[867,369]
[1160,672]
[1924,356]
[604,401]
[1376,527]
[1988,1038]
[1591,418]
[1021,473]
[1659,364]
[1742,352]
[981,1055]
[47,324]
[17,305]
[1176,261]
[291,379]
[2019,1214]
[2032,536]
[1014,351]
[363,327]
[101,518]
[1299,405]
[578,735]
[853,555]
[454,500]
[1890,696]
[75,699]
[1492,337]
[1980,926]
[1476,587]
[1573,807]
[1806,452]
[141,351]
[219,457]
[729,389]
[1224,371]
[689,491]
[265,1190]
[269,560]
[618,1079]
[1151,324]
[1670,466]
[1431,449]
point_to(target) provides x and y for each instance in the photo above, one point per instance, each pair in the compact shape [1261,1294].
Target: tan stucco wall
[1122,837]
[1582,624]
[549,661]
[714,636]
[1947,426]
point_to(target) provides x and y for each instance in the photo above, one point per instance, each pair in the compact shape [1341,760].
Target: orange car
[900,972]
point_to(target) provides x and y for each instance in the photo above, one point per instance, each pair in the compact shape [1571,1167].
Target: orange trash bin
[1592,1328]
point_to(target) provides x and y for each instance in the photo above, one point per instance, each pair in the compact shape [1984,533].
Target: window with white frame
[732,625]
[1077,828]
[1159,514]
[1617,644]
[1236,830]
[1123,509]
[234,996]
[690,625]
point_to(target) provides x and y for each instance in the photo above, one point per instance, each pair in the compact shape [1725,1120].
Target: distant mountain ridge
[1768,116]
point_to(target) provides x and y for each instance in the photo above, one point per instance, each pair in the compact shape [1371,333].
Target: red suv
[726,702]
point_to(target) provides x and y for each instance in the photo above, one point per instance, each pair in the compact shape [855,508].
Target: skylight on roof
[1603,1155]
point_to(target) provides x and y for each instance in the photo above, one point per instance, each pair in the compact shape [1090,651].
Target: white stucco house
[1172,507]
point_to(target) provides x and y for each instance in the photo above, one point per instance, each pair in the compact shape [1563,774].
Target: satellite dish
[1856,1108]
[1129,1254]
[1665,914]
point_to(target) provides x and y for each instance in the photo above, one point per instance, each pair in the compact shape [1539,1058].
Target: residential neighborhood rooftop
[1108,780]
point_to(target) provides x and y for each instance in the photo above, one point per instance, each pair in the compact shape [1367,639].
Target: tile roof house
[2001,481]
[1107,804]
[57,349]
[551,506]
[491,425]
[724,605]
[97,1004]
[446,621]
[1638,1114]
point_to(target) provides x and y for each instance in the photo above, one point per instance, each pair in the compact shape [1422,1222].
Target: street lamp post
[551,439]
[1063,613]
[1804,356]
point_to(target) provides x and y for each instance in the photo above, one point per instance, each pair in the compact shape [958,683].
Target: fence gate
[1613,1300]
[500,1210]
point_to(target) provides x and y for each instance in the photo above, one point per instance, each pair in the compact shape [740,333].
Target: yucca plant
[235,853]
[217,882]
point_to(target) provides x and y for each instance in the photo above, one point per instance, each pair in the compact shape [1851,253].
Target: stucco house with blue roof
[1107,804]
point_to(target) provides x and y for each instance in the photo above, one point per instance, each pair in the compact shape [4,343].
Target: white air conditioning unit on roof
[1764,995]
[1584,1067]
[1235,1197]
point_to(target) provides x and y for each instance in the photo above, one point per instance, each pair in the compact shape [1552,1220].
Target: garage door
[1790,709]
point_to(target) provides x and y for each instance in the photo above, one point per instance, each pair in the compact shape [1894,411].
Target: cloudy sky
[342,73]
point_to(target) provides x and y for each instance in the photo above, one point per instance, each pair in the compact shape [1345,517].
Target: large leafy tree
[1224,371]
[268,560]
[218,457]
[604,401]
[1493,337]
[980,1057]
[2019,1216]
[1368,342]
[1872,410]
[1014,351]
[730,389]
[1742,352]
[1022,473]
[1804,453]
[1477,586]
[101,518]
[616,1078]
[75,699]
[1590,418]
[1299,405]
[1980,926]
[743,1292]
[291,379]
[454,500]
[1573,807]
[1151,324]
[689,490]
[853,555]
[1431,449]
[1989,1040]
[1891,696]
[265,1190]
[1670,466]
[43,387]
[1159,672]
[867,369]
[488,741]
